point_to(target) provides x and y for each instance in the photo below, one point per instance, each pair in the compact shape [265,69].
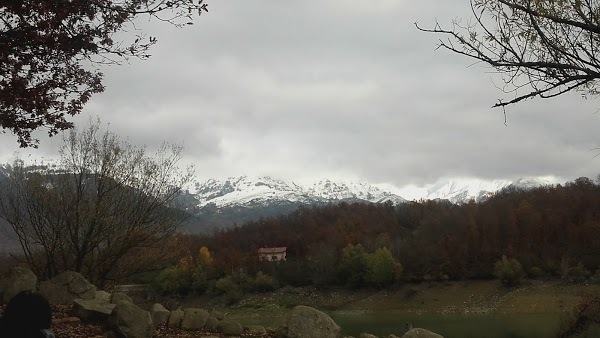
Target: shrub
[564,267]
[575,273]
[230,289]
[536,272]
[509,271]
[578,273]
[551,268]
[263,283]
[172,280]
[353,266]
[383,269]
[294,272]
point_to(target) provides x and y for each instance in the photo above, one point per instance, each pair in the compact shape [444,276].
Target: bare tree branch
[547,48]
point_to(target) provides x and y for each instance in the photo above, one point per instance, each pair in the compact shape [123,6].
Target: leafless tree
[103,201]
[541,48]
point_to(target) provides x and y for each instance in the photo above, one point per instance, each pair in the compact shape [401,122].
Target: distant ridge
[252,191]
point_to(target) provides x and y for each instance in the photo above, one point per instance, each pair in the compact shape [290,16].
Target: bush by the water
[358,268]
[230,289]
[509,271]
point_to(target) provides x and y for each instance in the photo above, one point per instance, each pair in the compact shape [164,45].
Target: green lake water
[494,325]
[458,325]
[452,325]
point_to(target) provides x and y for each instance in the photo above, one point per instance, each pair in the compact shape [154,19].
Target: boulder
[107,334]
[308,322]
[2,287]
[230,328]
[92,310]
[175,318]
[367,335]
[64,288]
[103,296]
[278,332]
[217,314]
[160,315]
[256,330]
[194,319]
[119,297]
[212,324]
[130,321]
[19,279]
[421,333]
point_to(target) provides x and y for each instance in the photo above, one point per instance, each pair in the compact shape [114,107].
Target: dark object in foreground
[27,315]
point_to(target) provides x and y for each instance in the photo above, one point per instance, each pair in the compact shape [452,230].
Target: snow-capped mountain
[247,191]
[465,190]
[256,191]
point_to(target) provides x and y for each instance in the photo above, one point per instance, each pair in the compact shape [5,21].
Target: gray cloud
[328,89]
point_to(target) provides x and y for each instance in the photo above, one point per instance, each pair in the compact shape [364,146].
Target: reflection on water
[382,324]
[453,325]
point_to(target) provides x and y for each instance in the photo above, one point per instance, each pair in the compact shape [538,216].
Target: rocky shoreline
[80,310]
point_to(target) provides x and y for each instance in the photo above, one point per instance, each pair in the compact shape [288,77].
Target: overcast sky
[334,89]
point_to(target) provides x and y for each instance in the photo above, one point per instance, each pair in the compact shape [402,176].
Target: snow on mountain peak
[464,190]
[244,190]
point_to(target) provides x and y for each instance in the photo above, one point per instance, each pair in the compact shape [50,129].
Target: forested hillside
[550,230]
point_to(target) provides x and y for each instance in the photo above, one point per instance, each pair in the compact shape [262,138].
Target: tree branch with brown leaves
[49,50]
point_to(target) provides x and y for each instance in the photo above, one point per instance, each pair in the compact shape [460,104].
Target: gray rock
[108,334]
[130,321]
[103,296]
[119,297]
[217,314]
[19,279]
[278,332]
[421,333]
[92,310]
[256,330]
[212,324]
[66,287]
[367,335]
[392,336]
[3,280]
[175,318]
[230,328]
[194,319]
[308,322]
[160,315]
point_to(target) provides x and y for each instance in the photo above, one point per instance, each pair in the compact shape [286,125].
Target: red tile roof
[272,250]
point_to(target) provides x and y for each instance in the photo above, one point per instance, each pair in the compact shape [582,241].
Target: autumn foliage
[544,232]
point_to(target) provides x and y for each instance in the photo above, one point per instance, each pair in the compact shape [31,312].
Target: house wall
[273,257]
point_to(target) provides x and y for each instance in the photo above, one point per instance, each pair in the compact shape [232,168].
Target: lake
[455,325]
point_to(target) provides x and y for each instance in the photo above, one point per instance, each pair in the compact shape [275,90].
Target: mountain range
[219,204]
[215,204]
[252,191]
[256,191]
